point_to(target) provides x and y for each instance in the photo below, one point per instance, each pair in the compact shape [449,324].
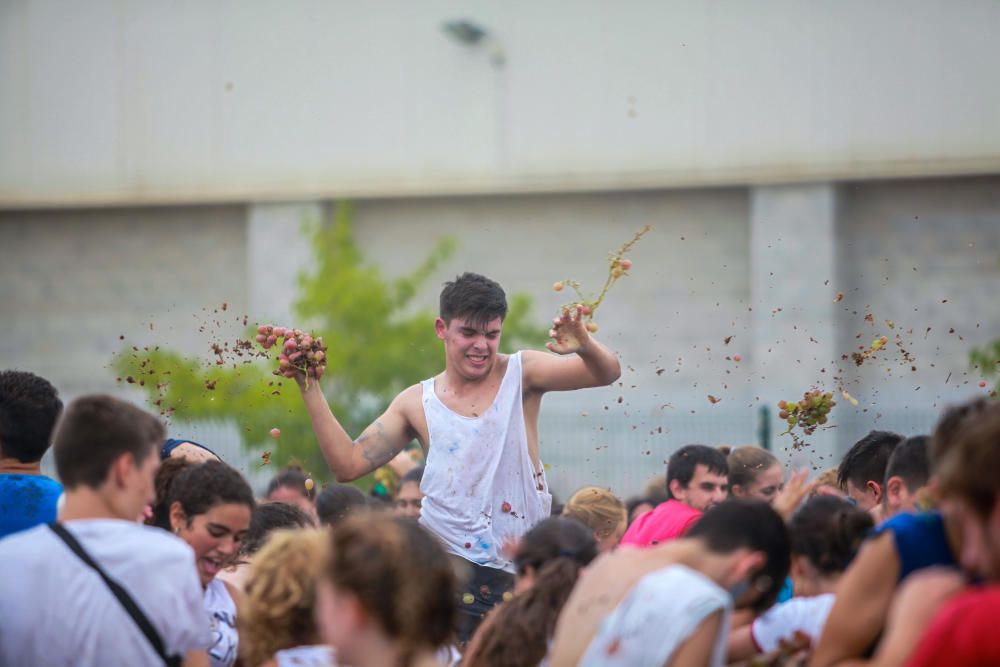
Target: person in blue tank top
[29,408]
[903,545]
[477,422]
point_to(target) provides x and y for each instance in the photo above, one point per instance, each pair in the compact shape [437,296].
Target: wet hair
[95,431]
[415,476]
[201,486]
[747,523]
[683,462]
[29,408]
[968,469]
[402,578]
[552,538]
[292,477]
[277,611]
[337,502]
[634,502]
[828,532]
[518,632]
[474,297]
[746,463]
[598,509]
[909,462]
[268,518]
[165,476]
[867,459]
[951,422]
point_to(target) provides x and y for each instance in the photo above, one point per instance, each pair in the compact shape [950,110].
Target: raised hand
[797,488]
[569,333]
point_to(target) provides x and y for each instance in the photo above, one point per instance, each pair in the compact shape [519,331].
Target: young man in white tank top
[477,422]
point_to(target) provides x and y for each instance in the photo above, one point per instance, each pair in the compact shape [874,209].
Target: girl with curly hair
[276,621]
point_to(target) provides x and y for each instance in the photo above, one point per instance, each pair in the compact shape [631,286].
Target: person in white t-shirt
[56,609]
[209,507]
[825,533]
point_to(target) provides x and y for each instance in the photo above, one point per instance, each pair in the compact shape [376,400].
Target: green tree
[379,343]
[986,360]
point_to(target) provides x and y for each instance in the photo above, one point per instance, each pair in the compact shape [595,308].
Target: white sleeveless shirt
[480,487]
[222,619]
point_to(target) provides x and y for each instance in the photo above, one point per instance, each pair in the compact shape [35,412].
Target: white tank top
[480,487]
[635,635]
[222,618]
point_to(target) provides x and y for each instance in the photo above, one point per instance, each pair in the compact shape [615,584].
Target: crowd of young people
[151,551]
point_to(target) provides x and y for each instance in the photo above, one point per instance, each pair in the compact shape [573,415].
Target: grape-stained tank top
[480,487]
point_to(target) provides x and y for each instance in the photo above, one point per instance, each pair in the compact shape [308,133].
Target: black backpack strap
[123,597]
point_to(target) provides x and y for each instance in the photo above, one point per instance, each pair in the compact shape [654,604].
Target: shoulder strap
[119,592]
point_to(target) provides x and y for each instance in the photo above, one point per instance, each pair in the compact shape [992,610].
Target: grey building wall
[71,281]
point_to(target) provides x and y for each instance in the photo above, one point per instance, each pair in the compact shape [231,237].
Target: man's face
[706,489]
[408,500]
[470,348]
[865,497]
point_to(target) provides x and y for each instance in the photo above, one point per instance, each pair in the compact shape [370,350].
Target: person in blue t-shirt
[29,408]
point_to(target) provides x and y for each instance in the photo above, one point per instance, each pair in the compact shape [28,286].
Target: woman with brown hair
[602,512]
[756,473]
[386,597]
[549,560]
[276,621]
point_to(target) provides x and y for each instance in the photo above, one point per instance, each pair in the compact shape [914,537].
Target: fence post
[764,428]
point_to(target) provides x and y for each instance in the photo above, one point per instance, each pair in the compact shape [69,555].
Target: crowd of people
[151,551]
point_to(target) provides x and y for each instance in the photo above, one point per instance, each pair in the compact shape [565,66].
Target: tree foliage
[380,341]
[986,360]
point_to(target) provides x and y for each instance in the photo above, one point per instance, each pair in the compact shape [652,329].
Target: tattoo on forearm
[374,447]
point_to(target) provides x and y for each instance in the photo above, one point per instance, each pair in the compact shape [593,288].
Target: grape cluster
[809,412]
[300,352]
[618,267]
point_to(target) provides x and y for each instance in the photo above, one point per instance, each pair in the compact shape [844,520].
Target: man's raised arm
[377,445]
[583,362]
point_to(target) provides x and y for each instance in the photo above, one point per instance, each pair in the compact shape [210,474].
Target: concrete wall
[109,102]
[71,281]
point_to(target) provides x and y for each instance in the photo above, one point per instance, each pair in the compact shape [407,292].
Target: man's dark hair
[94,431]
[747,523]
[828,532]
[269,517]
[415,476]
[474,297]
[338,501]
[202,486]
[292,477]
[867,459]
[909,462]
[683,462]
[29,408]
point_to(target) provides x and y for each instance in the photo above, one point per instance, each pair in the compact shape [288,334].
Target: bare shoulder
[409,398]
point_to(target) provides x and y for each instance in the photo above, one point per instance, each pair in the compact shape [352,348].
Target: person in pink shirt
[696,480]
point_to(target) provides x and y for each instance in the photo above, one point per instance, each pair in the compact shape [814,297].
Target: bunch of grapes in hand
[809,412]
[618,266]
[301,355]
